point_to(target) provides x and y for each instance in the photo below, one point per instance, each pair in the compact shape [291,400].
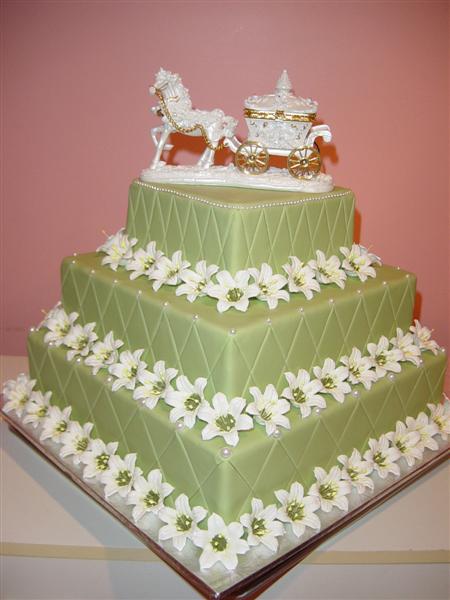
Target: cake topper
[279,124]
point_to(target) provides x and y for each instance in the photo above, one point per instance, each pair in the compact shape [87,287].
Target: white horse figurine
[177,114]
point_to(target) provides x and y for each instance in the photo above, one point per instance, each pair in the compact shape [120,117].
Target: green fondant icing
[259,464]
[258,353]
[237,228]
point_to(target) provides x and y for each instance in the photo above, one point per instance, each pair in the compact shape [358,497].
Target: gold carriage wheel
[252,158]
[304,162]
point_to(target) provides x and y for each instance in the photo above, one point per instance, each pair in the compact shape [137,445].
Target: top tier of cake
[237,228]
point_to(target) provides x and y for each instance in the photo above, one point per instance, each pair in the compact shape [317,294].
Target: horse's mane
[173,90]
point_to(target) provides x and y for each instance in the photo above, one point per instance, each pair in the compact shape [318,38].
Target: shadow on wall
[357,227]
[418,306]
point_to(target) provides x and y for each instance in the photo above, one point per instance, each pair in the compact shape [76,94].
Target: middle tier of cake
[225,482]
[236,350]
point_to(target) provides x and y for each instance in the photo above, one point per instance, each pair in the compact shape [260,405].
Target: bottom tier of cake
[224,480]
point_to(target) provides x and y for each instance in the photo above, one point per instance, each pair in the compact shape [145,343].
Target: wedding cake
[232,363]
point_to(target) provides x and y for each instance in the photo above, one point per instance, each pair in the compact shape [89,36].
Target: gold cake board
[237,586]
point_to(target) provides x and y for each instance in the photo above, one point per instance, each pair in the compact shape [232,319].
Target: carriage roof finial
[284,85]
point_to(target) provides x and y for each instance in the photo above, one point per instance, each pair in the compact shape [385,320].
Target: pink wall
[76,121]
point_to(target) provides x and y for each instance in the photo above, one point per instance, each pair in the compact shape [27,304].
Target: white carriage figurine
[279,124]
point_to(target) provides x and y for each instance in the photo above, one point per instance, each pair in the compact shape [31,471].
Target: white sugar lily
[356,470]
[49,315]
[75,440]
[383,457]
[220,543]
[144,261]
[55,423]
[268,409]
[427,430]
[374,258]
[262,525]
[154,385]
[330,489]
[328,270]
[333,379]
[407,442]
[196,283]
[118,249]
[96,458]
[148,494]
[301,278]
[358,262]
[224,419]
[422,337]
[128,370]
[169,271]
[182,522]
[385,358]
[270,286]
[37,408]
[186,400]
[103,353]
[440,415]
[303,393]
[405,343]
[58,323]
[120,475]
[233,292]
[17,393]
[80,339]
[297,509]
[360,368]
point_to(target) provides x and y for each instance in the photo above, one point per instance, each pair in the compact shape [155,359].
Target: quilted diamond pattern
[300,334]
[259,464]
[241,228]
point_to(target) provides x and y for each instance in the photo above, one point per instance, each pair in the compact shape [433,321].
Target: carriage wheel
[304,163]
[251,158]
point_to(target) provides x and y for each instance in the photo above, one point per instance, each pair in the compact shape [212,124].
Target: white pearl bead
[331,301]
[225,452]
[420,362]
[232,331]
[355,393]
[115,282]
[73,261]
[92,271]
[165,304]
[358,291]
[302,310]
[391,376]
[179,425]
[269,321]
[32,329]
[195,317]
[75,254]
[78,360]
[109,379]
[276,434]
[443,350]
[407,275]
[398,268]
[139,292]
[384,282]
[317,411]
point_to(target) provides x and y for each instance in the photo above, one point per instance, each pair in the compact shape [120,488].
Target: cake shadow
[357,227]
[418,306]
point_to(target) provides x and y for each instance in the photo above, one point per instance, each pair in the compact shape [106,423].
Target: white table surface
[58,544]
